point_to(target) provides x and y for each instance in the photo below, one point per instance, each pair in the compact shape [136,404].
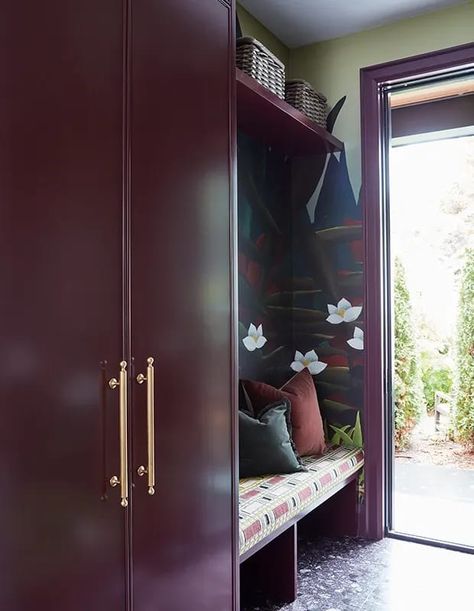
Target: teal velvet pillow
[265,442]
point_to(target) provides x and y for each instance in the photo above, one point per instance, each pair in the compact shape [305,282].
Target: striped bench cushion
[267,502]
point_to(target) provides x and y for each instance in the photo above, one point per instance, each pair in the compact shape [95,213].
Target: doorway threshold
[455,547]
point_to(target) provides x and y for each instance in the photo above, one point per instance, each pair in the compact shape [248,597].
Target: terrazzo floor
[389,575]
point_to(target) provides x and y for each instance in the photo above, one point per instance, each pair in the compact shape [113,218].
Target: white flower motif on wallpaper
[309,360]
[343,312]
[255,338]
[357,341]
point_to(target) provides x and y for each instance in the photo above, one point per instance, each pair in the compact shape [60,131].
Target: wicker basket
[259,63]
[303,97]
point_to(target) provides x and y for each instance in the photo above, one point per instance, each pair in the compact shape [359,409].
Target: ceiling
[301,22]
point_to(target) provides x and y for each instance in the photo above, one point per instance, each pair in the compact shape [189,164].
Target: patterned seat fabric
[267,502]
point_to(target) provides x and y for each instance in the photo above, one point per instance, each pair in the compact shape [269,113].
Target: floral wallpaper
[300,277]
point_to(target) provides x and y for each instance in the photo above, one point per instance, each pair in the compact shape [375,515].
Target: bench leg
[273,570]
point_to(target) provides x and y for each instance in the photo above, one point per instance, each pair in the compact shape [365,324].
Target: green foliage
[350,436]
[408,386]
[347,435]
[465,354]
[435,378]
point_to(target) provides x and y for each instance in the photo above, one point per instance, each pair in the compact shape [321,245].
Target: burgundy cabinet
[116,208]
[62,544]
[181,306]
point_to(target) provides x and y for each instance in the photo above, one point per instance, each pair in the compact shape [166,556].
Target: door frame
[373,81]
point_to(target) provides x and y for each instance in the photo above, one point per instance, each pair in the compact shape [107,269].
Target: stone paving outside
[434,487]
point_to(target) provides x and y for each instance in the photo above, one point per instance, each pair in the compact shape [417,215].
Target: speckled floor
[389,575]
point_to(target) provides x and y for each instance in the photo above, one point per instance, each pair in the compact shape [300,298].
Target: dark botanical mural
[300,277]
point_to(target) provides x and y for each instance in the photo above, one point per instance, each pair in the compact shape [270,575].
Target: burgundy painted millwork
[62,547]
[117,193]
[372,79]
[271,565]
[265,116]
[436,115]
[337,516]
[181,309]
[273,570]
[334,494]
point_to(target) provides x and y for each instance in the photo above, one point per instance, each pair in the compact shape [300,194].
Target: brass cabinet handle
[150,394]
[122,480]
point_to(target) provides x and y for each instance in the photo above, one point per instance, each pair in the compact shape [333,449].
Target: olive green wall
[251,27]
[333,66]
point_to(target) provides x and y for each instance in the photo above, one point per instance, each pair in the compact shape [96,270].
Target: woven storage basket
[257,61]
[303,97]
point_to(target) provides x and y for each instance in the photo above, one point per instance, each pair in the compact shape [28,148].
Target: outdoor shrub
[408,386]
[465,354]
[435,378]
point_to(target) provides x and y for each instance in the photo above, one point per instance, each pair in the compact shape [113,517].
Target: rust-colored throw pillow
[306,421]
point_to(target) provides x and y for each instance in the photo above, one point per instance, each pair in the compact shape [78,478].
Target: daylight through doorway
[431,238]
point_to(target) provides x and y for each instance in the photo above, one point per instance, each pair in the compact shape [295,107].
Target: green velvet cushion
[265,442]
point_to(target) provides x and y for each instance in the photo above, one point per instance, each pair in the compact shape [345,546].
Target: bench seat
[267,503]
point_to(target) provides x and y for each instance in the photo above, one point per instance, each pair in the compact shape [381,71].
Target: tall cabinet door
[62,527]
[182,164]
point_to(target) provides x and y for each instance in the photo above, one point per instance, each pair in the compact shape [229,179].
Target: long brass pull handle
[123,479]
[150,416]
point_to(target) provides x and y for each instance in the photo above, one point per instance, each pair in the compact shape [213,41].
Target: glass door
[429,236]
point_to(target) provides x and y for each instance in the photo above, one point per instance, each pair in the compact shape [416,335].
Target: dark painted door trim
[373,81]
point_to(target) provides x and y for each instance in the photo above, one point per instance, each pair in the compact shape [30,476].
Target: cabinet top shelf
[266,117]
